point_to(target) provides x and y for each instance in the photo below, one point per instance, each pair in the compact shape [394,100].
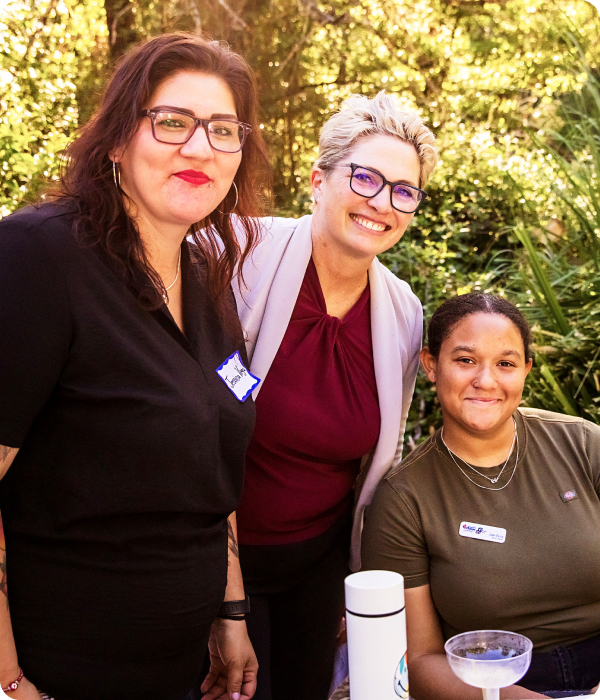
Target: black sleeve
[35,323]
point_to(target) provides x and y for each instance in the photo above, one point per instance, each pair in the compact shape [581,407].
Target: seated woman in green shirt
[494,522]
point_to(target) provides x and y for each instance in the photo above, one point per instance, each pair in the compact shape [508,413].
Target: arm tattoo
[233,545]
[3,585]
[5,452]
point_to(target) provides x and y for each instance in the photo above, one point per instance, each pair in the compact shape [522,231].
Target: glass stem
[491,693]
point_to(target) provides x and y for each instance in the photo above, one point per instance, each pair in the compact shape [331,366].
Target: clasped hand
[233,663]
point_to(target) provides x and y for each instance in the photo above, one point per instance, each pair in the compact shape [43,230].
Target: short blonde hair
[361,116]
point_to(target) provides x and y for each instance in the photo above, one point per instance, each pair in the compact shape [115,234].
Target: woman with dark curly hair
[123,419]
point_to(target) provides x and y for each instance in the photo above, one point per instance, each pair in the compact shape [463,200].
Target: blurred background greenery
[511,89]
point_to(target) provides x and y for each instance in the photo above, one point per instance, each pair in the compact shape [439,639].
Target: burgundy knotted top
[317,415]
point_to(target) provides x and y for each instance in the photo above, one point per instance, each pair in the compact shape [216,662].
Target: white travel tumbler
[376,626]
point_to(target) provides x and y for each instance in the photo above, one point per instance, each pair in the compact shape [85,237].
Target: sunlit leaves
[46,49]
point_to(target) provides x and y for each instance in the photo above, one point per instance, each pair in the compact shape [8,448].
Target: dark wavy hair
[87,176]
[453,310]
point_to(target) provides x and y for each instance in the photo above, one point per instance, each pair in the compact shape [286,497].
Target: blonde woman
[334,338]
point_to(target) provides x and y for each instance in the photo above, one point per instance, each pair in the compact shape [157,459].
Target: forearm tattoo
[5,452]
[233,545]
[3,586]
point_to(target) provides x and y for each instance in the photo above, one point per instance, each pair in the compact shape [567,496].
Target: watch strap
[234,608]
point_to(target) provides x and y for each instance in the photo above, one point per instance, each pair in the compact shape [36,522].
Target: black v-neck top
[131,458]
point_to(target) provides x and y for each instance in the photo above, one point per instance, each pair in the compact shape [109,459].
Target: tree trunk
[122,31]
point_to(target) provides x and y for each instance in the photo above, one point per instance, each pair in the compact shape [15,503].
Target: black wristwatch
[234,609]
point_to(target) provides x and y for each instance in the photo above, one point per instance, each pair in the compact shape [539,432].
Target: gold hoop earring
[236,200]
[116,175]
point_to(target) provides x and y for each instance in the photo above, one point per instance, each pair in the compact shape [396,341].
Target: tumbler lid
[374,593]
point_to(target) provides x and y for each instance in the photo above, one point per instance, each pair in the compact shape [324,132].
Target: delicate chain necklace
[165,296]
[495,479]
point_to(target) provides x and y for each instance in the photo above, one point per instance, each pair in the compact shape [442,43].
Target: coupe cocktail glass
[489,659]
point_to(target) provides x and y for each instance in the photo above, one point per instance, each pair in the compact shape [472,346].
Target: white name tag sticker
[482,532]
[239,380]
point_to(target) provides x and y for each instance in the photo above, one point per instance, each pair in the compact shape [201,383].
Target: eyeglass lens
[368,184]
[175,128]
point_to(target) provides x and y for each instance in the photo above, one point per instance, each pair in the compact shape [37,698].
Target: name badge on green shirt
[482,532]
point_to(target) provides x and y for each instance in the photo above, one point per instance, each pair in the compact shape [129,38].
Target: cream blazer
[272,278]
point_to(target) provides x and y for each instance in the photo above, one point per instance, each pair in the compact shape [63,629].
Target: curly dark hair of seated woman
[87,176]
[453,310]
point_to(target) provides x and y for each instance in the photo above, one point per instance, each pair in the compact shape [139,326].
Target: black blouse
[131,458]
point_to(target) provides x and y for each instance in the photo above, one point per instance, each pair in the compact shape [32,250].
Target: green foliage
[562,295]
[478,71]
[561,301]
[48,50]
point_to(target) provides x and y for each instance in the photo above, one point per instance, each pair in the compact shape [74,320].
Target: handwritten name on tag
[482,532]
[239,380]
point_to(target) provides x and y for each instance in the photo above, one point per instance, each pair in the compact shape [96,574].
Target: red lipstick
[194,177]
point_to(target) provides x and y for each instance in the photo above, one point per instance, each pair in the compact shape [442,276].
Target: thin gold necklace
[165,296]
[492,480]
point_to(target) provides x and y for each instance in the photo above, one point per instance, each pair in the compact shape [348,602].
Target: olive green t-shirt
[543,580]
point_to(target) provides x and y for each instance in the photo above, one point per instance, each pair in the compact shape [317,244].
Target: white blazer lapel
[281,300]
[389,359]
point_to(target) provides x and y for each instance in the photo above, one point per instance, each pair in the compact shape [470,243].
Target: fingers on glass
[173,127]
[369,183]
